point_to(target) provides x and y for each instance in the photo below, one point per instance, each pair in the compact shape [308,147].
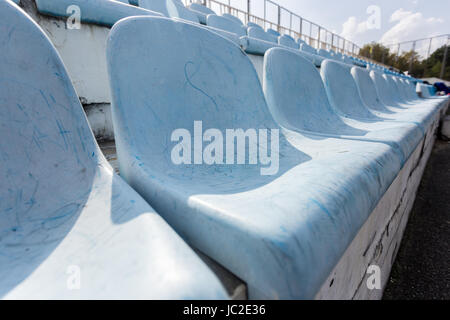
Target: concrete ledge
[378,240]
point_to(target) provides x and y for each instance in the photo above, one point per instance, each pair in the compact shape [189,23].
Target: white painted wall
[84,54]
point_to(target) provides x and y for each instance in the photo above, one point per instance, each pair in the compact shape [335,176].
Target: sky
[400,20]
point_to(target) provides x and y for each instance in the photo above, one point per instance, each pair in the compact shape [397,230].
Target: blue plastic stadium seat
[225,24]
[233,18]
[252,24]
[274,33]
[288,41]
[283,233]
[259,33]
[258,41]
[388,95]
[346,59]
[308,108]
[310,53]
[307,48]
[300,41]
[102,12]
[370,96]
[344,98]
[63,210]
[201,11]
[325,54]
[170,9]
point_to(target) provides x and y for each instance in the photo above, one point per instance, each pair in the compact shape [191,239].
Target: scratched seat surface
[102,12]
[295,216]
[62,208]
[345,100]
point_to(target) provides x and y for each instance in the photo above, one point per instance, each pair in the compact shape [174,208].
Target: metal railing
[285,22]
[423,47]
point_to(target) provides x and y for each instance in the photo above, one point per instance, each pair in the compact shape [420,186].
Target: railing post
[290,23]
[445,58]
[412,57]
[310,33]
[265,16]
[301,27]
[248,10]
[279,18]
[429,48]
[318,38]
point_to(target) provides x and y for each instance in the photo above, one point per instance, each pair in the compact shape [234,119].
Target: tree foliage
[427,68]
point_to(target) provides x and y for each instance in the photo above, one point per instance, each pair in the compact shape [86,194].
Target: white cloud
[400,14]
[412,26]
[352,28]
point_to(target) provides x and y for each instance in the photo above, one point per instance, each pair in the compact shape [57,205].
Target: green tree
[433,65]
[427,68]
[377,52]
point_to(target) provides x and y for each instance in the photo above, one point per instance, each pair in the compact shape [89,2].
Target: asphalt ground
[422,267]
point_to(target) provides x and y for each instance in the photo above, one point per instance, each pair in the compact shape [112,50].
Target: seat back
[201,8]
[252,24]
[233,18]
[367,89]
[383,90]
[225,24]
[296,95]
[288,41]
[259,33]
[395,91]
[342,91]
[411,88]
[307,48]
[103,12]
[273,33]
[48,154]
[401,89]
[325,53]
[407,90]
[170,9]
[195,75]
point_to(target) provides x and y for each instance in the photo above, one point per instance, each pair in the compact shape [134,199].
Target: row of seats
[337,155]
[344,133]
[251,37]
